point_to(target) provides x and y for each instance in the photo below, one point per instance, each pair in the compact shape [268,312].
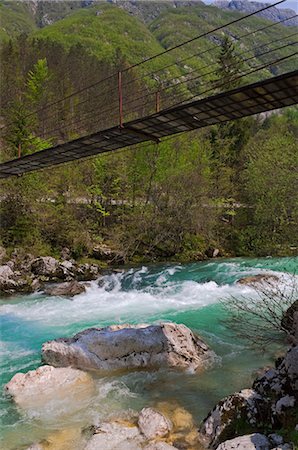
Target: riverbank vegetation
[176,199]
[231,187]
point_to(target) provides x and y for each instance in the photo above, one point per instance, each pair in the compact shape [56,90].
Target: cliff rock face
[274,14]
[147,11]
[271,404]
[290,322]
[46,13]
[130,347]
[222,422]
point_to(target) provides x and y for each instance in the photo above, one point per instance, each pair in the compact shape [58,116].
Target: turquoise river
[188,294]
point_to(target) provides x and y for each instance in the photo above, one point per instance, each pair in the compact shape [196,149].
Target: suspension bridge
[121,111]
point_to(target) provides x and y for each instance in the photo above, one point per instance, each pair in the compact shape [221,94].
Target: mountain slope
[15,18]
[274,14]
[181,24]
[105,31]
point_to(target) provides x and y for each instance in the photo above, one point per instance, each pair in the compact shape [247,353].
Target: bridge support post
[120,96]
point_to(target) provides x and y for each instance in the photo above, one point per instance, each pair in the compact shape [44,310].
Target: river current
[188,294]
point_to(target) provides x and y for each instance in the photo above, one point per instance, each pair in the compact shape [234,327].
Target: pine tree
[230,65]
[37,81]
[23,121]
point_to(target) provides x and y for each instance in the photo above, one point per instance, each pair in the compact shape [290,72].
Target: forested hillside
[231,187]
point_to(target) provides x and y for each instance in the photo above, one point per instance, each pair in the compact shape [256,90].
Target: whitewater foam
[183,293]
[120,298]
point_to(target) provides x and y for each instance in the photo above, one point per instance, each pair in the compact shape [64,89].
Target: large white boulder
[129,347]
[254,441]
[116,436]
[51,391]
[159,446]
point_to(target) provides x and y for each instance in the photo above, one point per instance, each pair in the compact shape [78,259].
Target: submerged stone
[69,438]
[154,424]
[160,446]
[116,436]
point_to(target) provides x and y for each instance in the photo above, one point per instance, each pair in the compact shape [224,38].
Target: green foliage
[15,19]
[37,81]
[21,137]
[230,65]
[231,186]
[270,187]
[100,30]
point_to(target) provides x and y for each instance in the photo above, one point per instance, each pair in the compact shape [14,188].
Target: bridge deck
[262,96]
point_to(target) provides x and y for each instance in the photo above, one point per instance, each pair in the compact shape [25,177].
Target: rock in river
[116,436]
[153,424]
[68,289]
[254,441]
[130,347]
[50,390]
[259,279]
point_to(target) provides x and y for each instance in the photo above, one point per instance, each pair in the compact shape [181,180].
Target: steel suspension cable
[255,69]
[210,49]
[234,79]
[86,115]
[162,53]
[203,75]
[213,64]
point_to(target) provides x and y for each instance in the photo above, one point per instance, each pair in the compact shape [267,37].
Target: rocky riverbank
[105,350]
[259,417]
[23,273]
[260,413]
[262,417]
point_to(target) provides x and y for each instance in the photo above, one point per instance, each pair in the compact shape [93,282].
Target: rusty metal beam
[143,134]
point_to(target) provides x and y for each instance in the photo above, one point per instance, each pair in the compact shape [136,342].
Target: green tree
[21,135]
[230,65]
[37,82]
[271,186]
[37,93]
